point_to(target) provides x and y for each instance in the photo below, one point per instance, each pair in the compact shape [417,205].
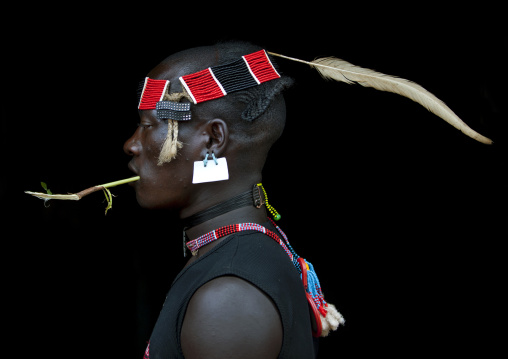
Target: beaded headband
[205,85]
[217,81]
[152,92]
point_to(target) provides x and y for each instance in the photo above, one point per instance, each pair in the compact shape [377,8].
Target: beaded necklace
[306,269]
[252,197]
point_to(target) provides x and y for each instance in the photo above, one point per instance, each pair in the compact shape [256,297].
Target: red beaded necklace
[209,237]
[306,270]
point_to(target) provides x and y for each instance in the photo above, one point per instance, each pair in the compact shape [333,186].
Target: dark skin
[252,329]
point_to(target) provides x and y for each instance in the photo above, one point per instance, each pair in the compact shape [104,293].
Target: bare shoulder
[229,317]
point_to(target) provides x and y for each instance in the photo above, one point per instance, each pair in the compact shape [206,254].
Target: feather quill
[333,68]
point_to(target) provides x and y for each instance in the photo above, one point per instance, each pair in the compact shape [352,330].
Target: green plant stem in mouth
[85,192]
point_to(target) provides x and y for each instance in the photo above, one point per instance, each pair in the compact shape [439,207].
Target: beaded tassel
[314,287]
[329,317]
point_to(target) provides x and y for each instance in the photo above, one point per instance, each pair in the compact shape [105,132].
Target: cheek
[165,186]
[169,185]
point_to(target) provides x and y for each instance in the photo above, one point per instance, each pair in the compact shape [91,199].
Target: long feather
[336,69]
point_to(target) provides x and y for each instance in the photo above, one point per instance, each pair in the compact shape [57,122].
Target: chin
[147,204]
[154,203]
[145,201]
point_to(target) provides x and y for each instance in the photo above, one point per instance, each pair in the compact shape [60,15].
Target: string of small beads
[270,208]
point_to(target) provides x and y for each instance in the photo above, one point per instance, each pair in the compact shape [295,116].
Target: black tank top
[256,258]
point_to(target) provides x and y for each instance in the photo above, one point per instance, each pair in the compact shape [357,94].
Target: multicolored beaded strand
[312,286]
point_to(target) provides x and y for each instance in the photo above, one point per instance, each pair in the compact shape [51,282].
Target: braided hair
[259,112]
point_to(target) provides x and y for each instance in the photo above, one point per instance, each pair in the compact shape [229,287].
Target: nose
[132,146]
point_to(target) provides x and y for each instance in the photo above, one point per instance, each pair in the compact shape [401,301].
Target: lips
[133,168]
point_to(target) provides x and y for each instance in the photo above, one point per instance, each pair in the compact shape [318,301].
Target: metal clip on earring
[205,161]
[214,159]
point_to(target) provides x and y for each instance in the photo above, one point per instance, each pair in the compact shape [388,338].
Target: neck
[245,206]
[242,206]
[207,195]
[247,198]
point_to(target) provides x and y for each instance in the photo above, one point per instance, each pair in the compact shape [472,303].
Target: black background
[403,216]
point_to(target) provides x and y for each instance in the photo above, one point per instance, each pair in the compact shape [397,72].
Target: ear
[218,136]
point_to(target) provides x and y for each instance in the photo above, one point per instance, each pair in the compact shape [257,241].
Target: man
[239,296]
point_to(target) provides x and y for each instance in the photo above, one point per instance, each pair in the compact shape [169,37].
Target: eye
[144,125]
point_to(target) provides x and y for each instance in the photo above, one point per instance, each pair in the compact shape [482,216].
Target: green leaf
[46,188]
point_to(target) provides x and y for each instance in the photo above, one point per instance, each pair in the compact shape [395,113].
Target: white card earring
[205,172]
